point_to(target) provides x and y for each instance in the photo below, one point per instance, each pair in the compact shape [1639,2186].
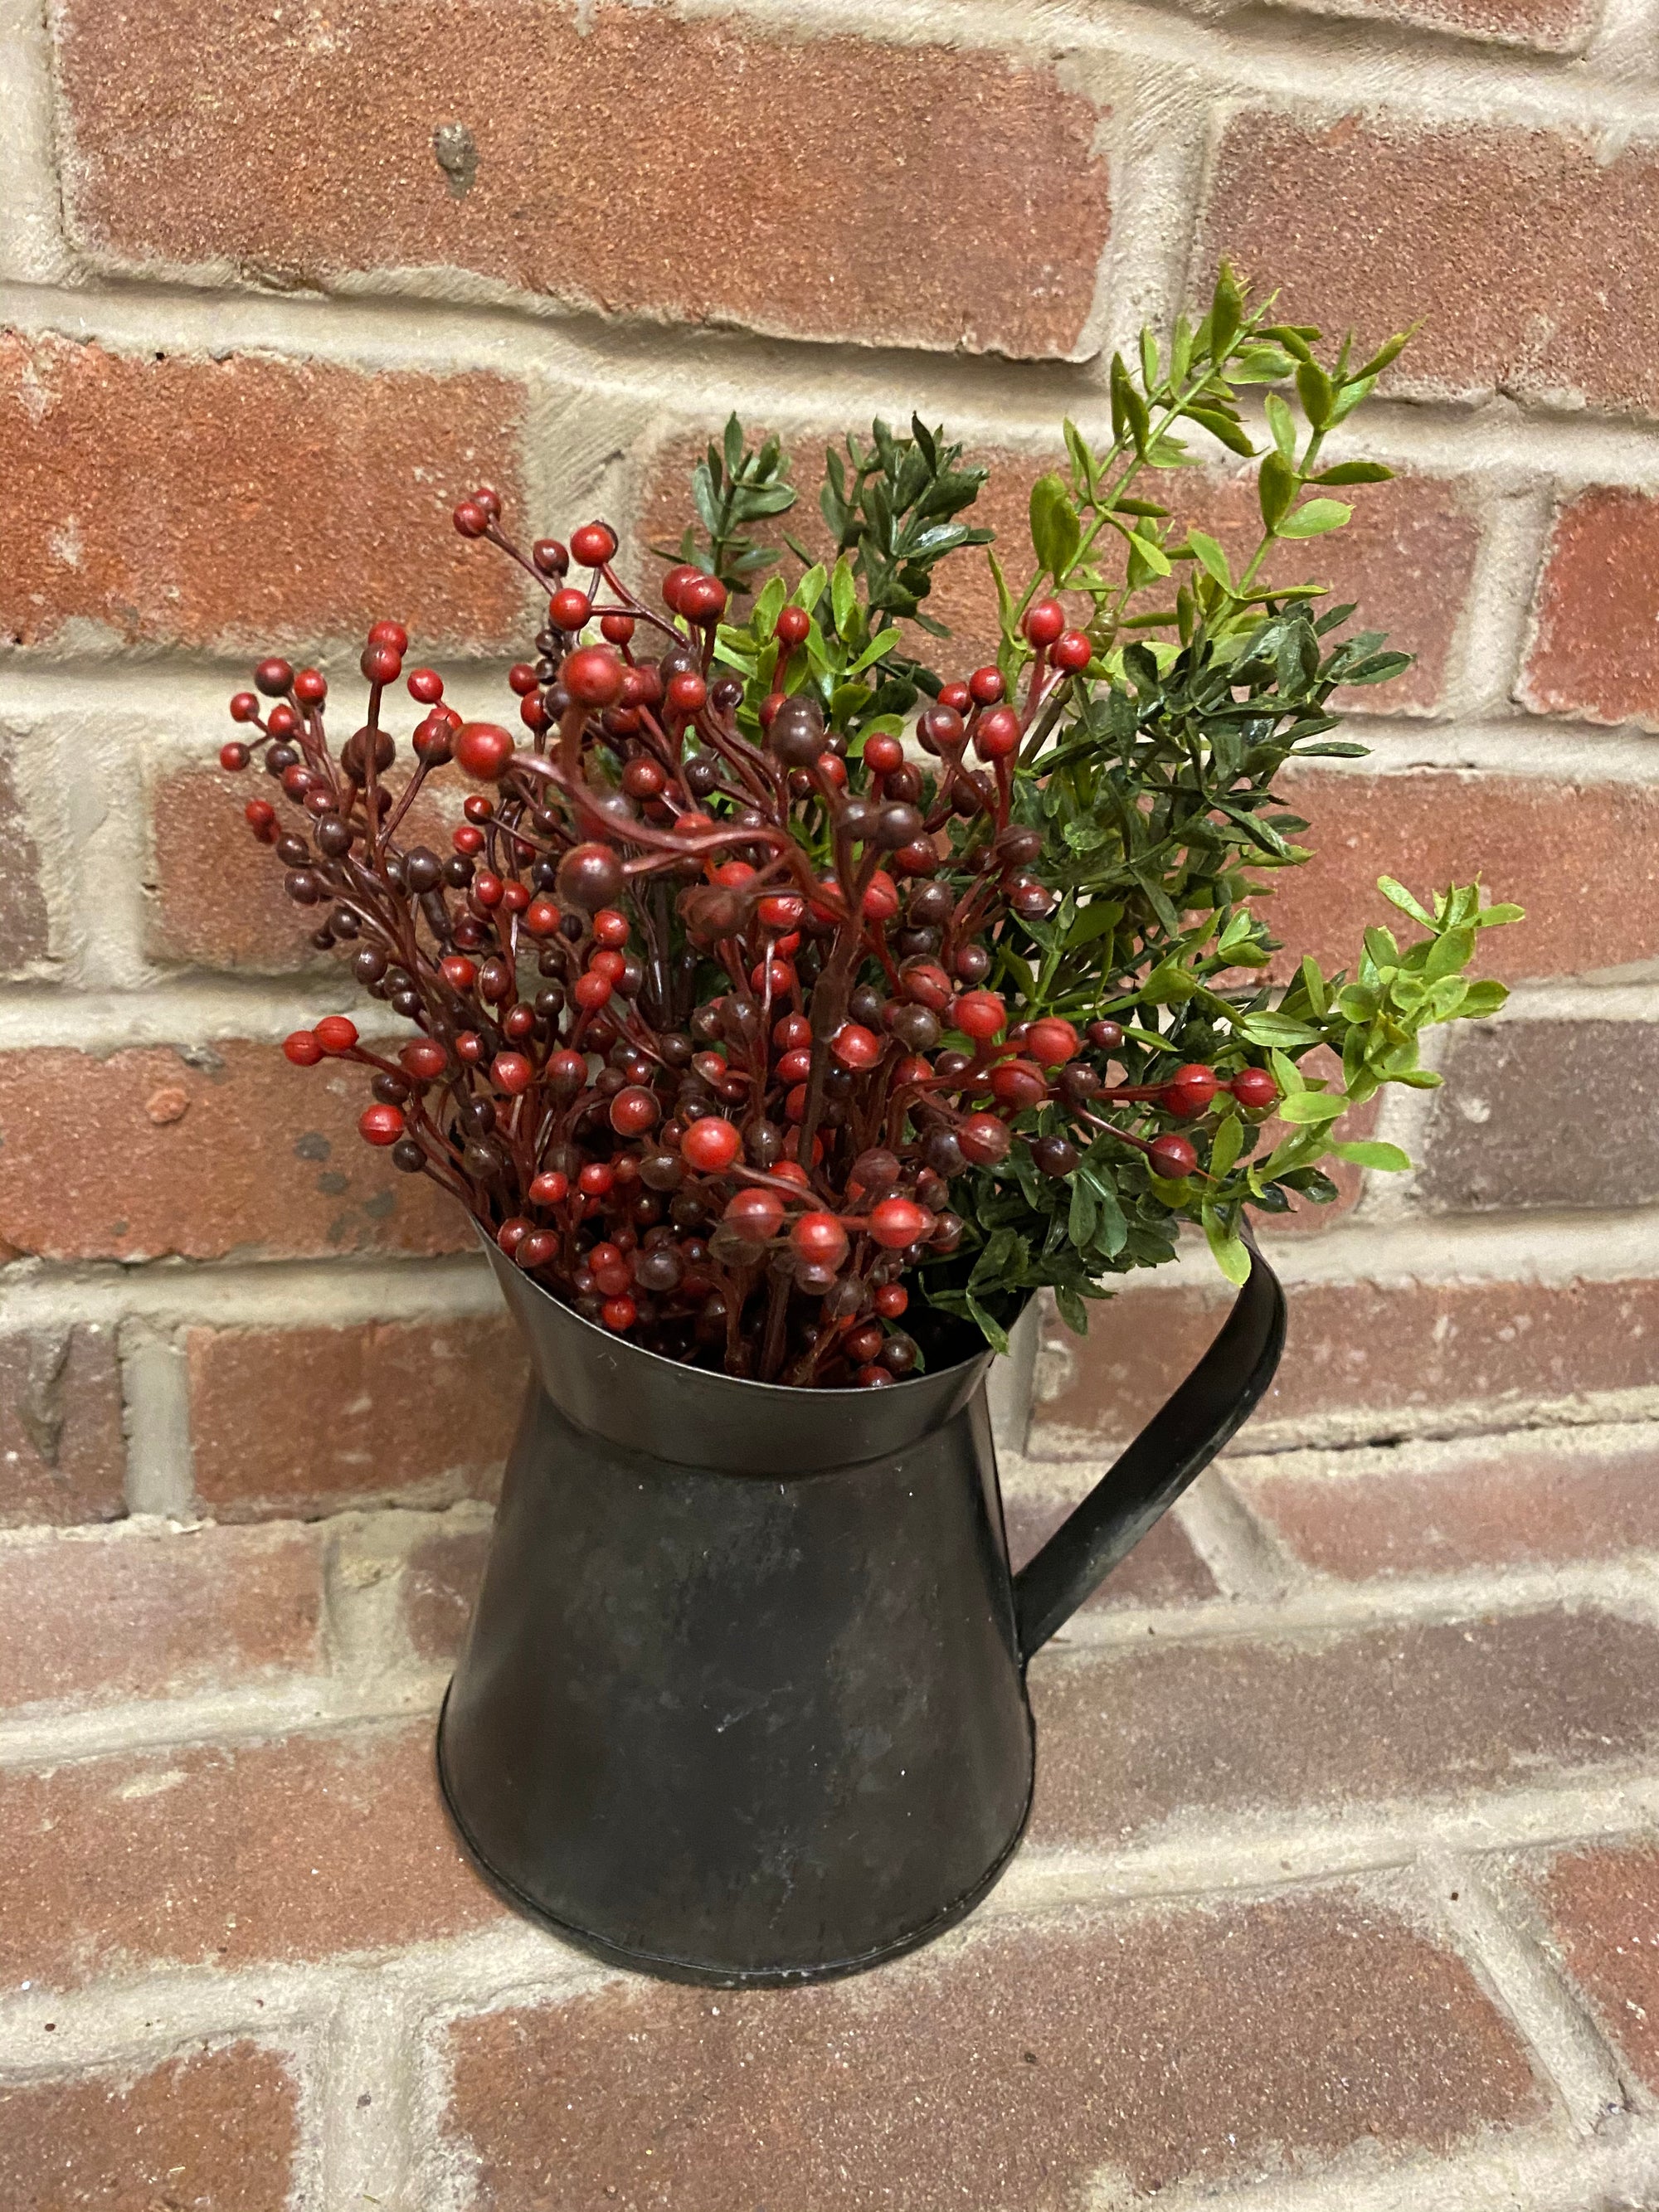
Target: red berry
[686,690]
[512,1072]
[635,1111]
[234,755]
[457,971]
[511,1234]
[891,1300]
[643,778]
[1190,1091]
[469,1047]
[590,991]
[703,599]
[541,917]
[490,501]
[244,707]
[593,544]
[1019,1084]
[469,519]
[549,1189]
[710,1146]
[794,1066]
[487,887]
[769,708]
[897,1222]
[426,686]
[1044,622]
[619,1315]
[537,1249]
[311,686]
[423,1059]
[1051,1041]
[389,633]
[619,629]
[302,1048]
[819,1237]
[549,557]
[274,678]
[468,839]
[483,750]
[983,1138]
[381,664]
[756,1215]
[881,898]
[608,962]
[259,814]
[883,754]
[1253,1087]
[1173,1157]
[997,734]
[569,609]
[520,677]
[567,1071]
[875,1378]
[980,1014]
[478,806]
[793,624]
[432,740]
[336,1034]
[856,1047]
[594,676]
[596,1179]
[1073,650]
[676,581]
[956,695]
[986,686]
[380,1125]
[1105,1035]
[790,1031]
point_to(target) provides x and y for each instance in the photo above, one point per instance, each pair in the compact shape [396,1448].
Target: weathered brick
[1408,557]
[1096,2055]
[182,151]
[1325,1721]
[1554,26]
[25,936]
[1162,1570]
[227,1855]
[1592,651]
[440,1582]
[62,1457]
[245,502]
[312,1420]
[85,1620]
[1503,1133]
[216,2132]
[203,1152]
[1358,1350]
[1602,1907]
[1528,254]
[1530,839]
[217,895]
[1519,1501]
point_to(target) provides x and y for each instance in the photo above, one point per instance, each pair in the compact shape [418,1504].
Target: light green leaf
[1399,896]
[1314,517]
[1278,1029]
[1056,533]
[1312,1107]
[1229,1139]
[843,594]
[1371,1152]
[1153,556]
[1282,423]
[1227,1248]
[1210,557]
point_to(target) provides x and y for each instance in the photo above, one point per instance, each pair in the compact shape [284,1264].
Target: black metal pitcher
[743,1698]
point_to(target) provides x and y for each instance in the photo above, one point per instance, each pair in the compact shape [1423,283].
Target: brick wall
[257,325]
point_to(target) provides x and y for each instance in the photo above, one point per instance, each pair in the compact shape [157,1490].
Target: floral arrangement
[758,1013]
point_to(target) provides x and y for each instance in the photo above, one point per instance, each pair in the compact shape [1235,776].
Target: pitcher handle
[1175,1446]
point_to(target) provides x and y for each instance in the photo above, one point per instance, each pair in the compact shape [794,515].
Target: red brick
[1531,840]
[312,1421]
[1593,621]
[1530,1502]
[25,940]
[84,1621]
[1602,1905]
[1043,2064]
[1359,1351]
[183,151]
[1162,1570]
[218,900]
[96,1163]
[1527,255]
[440,1583]
[62,1456]
[1328,1720]
[1503,1133]
[232,1855]
[216,2132]
[1555,26]
[247,501]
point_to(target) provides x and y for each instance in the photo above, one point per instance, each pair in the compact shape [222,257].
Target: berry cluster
[705,1030]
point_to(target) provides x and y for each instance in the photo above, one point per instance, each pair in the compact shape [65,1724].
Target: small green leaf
[1276,487]
[1282,423]
[1227,1248]
[1355,473]
[1229,1139]
[1314,517]
[1371,1152]
[1397,894]
[1309,1108]
[1056,533]
[843,594]
[1211,558]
